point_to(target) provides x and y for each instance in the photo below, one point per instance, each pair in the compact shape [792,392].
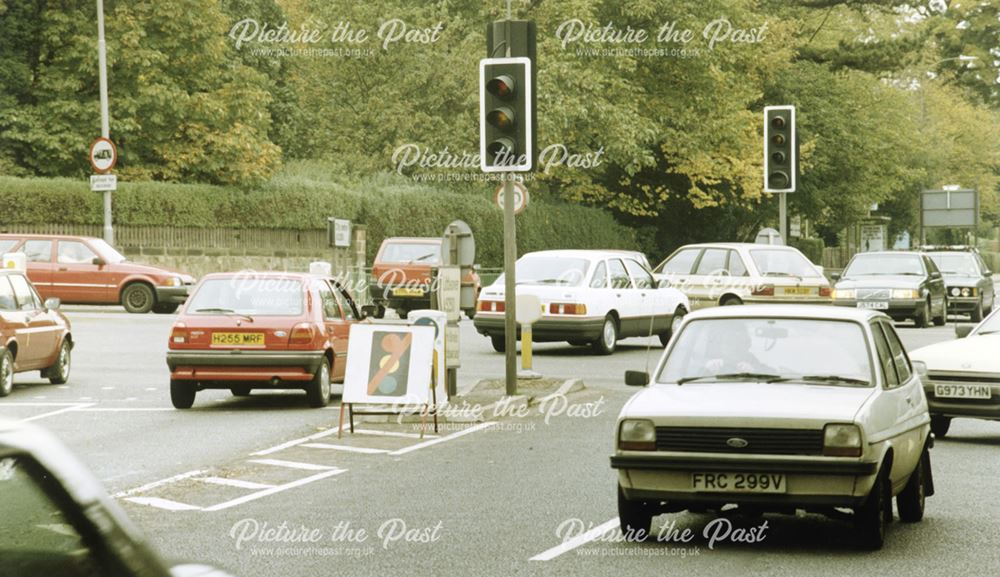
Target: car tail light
[302,334]
[825,291]
[567,309]
[491,306]
[179,333]
[766,290]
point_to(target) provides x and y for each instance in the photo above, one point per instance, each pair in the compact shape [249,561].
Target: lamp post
[102,59]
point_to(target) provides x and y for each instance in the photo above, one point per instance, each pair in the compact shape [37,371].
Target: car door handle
[62,268]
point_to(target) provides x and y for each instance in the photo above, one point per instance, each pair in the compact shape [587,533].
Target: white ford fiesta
[777,408]
[588,297]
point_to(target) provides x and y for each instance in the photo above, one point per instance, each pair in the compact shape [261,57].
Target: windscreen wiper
[761,377]
[835,378]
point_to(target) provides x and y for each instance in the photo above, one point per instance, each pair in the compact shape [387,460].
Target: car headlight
[968,292]
[844,293]
[174,281]
[842,440]
[905,294]
[637,435]
[955,291]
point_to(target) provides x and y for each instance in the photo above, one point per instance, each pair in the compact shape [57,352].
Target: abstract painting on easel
[389,364]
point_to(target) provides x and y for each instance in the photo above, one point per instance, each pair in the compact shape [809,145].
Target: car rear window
[248,296]
[783,262]
[411,252]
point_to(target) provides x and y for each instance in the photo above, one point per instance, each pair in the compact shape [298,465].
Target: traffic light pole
[102,59]
[783,216]
[510,284]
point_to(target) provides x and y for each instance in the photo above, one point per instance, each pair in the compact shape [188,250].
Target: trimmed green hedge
[387,206]
[811,247]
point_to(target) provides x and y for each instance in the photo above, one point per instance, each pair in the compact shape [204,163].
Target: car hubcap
[325,381]
[64,361]
[6,375]
[137,299]
[609,333]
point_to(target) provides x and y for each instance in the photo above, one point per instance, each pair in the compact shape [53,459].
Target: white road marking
[63,387]
[107,388]
[132,399]
[294,442]
[125,409]
[39,398]
[150,388]
[575,542]
[391,434]
[235,483]
[273,490]
[56,412]
[293,464]
[155,484]
[450,437]
[347,448]
[163,504]
[47,404]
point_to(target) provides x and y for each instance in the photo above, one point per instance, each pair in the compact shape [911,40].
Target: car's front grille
[740,440]
[874,294]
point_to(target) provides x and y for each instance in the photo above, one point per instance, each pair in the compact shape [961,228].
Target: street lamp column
[109,232]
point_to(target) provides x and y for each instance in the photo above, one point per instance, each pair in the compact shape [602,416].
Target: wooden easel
[431,408]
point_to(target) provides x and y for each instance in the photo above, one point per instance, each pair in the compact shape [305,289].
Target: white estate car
[964,374]
[777,408]
[589,297]
[735,273]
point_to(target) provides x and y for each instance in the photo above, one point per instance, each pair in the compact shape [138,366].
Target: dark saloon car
[902,284]
[967,279]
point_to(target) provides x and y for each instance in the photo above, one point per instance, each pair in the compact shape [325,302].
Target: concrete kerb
[485,401]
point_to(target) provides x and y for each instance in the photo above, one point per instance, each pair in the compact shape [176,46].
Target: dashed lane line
[347,448]
[235,483]
[293,464]
[577,541]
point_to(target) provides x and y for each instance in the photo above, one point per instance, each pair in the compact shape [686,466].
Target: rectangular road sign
[103,182]
[949,208]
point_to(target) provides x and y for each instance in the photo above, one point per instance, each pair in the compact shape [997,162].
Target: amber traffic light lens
[502,118]
[778,157]
[778,139]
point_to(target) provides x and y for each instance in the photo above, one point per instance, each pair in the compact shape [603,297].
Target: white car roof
[581,253]
[739,245]
[819,312]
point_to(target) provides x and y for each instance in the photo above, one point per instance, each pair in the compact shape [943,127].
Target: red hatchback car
[34,336]
[241,331]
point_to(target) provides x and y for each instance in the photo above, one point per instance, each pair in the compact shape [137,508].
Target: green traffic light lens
[500,151]
[778,180]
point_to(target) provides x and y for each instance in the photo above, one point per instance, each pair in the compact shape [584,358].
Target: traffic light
[506,115]
[781,149]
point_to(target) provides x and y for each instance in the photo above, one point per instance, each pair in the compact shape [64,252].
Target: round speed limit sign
[520,197]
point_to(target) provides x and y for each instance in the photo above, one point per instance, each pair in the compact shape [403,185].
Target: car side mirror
[636,378]
[98,261]
[962,330]
[835,276]
[663,283]
[935,274]
[987,273]
[52,304]
[368,311]
[920,368]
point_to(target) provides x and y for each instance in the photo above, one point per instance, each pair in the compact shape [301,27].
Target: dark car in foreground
[58,521]
[902,284]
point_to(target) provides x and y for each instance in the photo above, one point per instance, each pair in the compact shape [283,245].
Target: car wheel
[6,373]
[471,313]
[138,298]
[910,501]
[499,343]
[731,301]
[182,393]
[240,391]
[675,322]
[940,426]
[977,313]
[634,517]
[923,318]
[872,517]
[318,391]
[58,373]
[939,321]
[608,341]
[165,308]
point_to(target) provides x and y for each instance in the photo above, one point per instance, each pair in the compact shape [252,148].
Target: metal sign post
[102,60]
[510,285]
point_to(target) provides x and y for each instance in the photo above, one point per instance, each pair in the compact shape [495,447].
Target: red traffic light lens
[502,87]
[502,118]
[778,122]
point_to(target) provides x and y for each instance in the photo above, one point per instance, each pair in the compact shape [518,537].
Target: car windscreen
[248,296]
[780,262]
[107,252]
[411,252]
[549,270]
[957,263]
[770,349]
[884,264]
